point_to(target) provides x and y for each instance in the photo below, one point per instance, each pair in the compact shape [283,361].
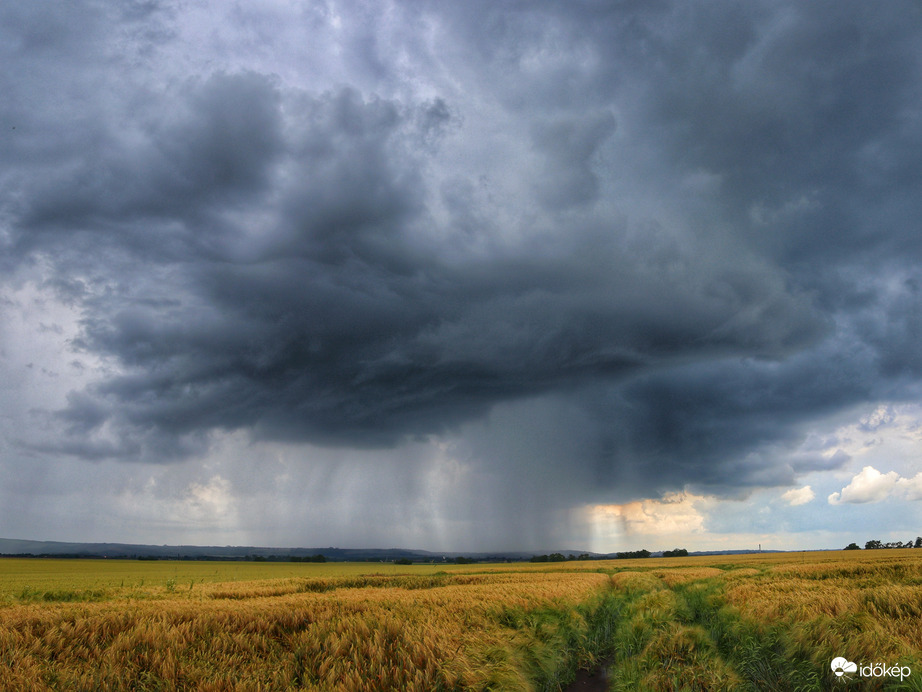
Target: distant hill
[14,547]
[10,547]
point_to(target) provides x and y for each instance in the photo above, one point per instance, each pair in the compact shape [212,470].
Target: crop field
[761,622]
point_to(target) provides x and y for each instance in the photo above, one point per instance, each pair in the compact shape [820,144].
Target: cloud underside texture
[696,226]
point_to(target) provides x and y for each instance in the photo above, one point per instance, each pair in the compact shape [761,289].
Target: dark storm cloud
[809,114]
[686,218]
[207,152]
[569,146]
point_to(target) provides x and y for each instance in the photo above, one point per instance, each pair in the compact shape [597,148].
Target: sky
[461,276]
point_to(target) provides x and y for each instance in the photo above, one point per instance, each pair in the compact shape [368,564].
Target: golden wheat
[244,626]
[371,632]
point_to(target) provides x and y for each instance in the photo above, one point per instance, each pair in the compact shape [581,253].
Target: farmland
[771,621]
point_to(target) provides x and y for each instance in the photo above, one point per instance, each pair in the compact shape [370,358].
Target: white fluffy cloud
[870,485]
[799,496]
[910,488]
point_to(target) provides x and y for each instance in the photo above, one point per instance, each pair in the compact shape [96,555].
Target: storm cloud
[618,250]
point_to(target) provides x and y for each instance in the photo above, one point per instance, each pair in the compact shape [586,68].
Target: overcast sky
[461,275]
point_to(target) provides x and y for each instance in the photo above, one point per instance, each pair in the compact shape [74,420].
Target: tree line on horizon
[879,545]
[627,555]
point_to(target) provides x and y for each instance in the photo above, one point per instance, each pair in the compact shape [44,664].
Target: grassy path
[686,637]
[677,631]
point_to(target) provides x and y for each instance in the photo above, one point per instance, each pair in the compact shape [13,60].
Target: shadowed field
[771,621]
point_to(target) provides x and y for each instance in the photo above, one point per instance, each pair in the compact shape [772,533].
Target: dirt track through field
[595,680]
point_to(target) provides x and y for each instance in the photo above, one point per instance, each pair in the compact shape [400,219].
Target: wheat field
[762,621]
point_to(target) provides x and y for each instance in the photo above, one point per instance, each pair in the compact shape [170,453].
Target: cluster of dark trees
[286,558]
[632,553]
[678,552]
[628,554]
[878,545]
[558,557]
